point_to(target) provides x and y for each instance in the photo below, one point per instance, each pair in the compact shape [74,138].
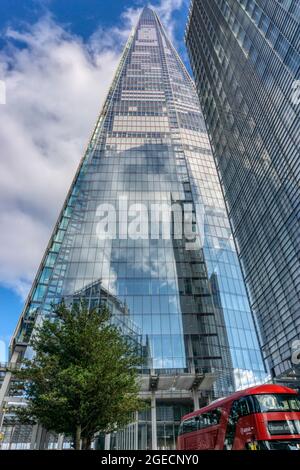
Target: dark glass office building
[245,56]
[121,239]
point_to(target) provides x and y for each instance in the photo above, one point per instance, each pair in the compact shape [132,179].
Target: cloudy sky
[57,59]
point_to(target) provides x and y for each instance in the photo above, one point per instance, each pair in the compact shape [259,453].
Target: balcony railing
[4,366]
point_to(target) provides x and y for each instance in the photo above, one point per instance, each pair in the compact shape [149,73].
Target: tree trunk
[86,443]
[78,437]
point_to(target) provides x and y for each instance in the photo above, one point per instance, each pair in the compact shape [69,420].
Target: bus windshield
[277,402]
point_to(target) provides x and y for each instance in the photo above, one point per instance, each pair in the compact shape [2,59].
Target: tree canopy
[83,376]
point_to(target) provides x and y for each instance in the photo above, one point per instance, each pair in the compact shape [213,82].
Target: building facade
[144,226]
[245,56]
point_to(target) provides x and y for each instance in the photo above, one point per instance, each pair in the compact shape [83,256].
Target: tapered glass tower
[144,228]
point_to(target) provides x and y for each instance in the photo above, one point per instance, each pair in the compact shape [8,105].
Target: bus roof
[256,390]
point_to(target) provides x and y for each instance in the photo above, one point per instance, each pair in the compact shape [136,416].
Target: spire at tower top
[147,11]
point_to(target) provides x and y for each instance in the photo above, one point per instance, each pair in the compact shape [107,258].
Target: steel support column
[153,421]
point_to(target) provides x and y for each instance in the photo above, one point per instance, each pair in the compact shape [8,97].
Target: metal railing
[4,366]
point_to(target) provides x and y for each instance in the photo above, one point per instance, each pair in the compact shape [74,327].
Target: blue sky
[83,17]
[57,58]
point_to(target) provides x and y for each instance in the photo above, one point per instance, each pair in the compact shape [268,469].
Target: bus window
[201,421]
[189,425]
[277,402]
[244,406]
[239,408]
[231,426]
[211,418]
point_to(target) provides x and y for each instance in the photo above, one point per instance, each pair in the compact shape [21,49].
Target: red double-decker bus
[265,417]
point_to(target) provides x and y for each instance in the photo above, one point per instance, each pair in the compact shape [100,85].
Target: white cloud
[102,39]
[165,10]
[245,378]
[55,87]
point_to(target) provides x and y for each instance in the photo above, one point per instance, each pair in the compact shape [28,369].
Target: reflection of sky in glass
[150,146]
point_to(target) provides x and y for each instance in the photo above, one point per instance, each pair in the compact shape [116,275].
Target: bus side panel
[205,439]
[245,432]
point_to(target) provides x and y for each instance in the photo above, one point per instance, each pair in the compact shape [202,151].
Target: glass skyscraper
[245,56]
[122,239]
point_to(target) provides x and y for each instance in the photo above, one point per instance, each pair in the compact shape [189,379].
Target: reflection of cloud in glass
[247,378]
[3,351]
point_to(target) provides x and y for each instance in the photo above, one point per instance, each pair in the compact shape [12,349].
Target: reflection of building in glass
[95,295]
[150,146]
[245,57]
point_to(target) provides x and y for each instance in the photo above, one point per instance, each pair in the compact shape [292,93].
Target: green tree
[83,376]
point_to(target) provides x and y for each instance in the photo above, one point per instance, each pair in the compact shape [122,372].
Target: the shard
[145,230]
